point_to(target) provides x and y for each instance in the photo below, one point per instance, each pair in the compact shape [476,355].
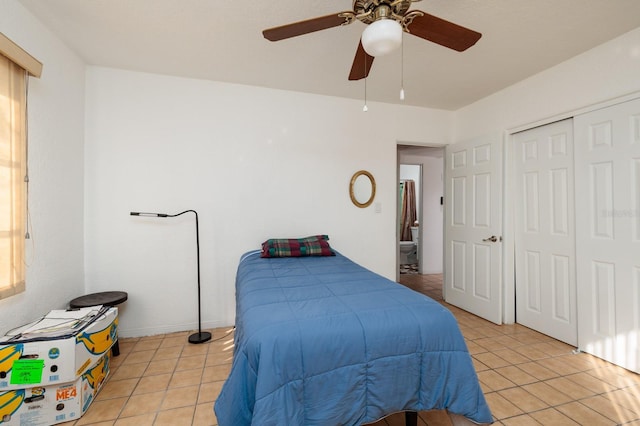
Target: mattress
[324,341]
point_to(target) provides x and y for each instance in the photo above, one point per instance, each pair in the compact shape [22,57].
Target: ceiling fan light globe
[382,37]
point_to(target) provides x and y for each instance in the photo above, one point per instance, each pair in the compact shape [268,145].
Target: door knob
[492,238]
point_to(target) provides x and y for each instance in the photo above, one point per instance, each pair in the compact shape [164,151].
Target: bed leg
[411,418]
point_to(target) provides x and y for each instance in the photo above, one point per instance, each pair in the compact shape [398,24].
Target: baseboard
[124,332]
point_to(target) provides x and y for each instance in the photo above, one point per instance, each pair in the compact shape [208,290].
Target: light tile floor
[527,377]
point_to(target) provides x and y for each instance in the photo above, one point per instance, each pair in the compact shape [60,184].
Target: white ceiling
[222,41]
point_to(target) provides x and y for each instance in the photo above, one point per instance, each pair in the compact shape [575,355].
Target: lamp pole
[200,336]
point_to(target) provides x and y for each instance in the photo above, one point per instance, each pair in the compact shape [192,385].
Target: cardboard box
[49,405]
[26,363]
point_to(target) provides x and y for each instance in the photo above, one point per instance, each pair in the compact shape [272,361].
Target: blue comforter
[324,341]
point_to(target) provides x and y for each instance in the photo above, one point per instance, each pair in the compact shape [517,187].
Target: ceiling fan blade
[443,32]
[361,64]
[308,26]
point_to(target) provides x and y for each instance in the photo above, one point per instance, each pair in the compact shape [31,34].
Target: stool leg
[115,349]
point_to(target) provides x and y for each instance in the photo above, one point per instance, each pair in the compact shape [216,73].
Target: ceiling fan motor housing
[369,11]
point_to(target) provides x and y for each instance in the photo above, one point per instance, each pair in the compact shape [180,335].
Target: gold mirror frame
[368,202]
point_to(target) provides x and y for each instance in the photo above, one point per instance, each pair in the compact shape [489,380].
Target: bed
[320,340]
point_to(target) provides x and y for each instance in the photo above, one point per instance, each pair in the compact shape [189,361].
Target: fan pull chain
[402,68]
[365,108]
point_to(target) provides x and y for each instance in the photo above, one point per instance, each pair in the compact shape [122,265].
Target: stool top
[106,298]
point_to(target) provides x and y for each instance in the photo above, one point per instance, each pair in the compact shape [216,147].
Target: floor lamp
[200,336]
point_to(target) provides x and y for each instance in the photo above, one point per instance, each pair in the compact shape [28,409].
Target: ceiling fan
[386,20]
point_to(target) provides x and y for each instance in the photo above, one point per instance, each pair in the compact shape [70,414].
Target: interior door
[607,152]
[544,230]
[473,227]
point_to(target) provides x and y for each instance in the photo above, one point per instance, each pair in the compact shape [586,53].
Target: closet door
[607,154]
[544,231]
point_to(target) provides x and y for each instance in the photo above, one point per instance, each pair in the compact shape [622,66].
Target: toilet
[409,249]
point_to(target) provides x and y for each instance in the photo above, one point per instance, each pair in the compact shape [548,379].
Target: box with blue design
[52,404]
[57,348]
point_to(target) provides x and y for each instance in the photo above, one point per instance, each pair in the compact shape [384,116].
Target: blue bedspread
[324,341]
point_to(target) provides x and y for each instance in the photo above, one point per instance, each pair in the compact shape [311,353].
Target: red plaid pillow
[317,245]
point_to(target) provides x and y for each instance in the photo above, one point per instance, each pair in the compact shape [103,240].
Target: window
[12,177]
[15,66]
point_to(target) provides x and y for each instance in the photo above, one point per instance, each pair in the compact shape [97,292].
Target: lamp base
[200,337]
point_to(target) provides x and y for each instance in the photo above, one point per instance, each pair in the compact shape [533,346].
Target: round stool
[105,298]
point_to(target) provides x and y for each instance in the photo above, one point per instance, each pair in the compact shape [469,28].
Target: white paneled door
[473,227]
[544,230]
[607,152]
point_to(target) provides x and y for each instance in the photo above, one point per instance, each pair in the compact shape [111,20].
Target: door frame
[421,209]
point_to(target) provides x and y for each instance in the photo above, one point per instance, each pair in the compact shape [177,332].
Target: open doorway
[409,210]
[425,166]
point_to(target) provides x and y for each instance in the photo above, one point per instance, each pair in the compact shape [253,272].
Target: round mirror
[362,189]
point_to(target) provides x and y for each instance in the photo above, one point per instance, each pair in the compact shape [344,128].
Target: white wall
[255,163]
[56,137]
[605,72]
[259,163]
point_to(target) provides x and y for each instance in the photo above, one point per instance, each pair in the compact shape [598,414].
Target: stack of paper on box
[51,370]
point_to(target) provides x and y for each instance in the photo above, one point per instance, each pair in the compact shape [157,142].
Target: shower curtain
[408,212]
